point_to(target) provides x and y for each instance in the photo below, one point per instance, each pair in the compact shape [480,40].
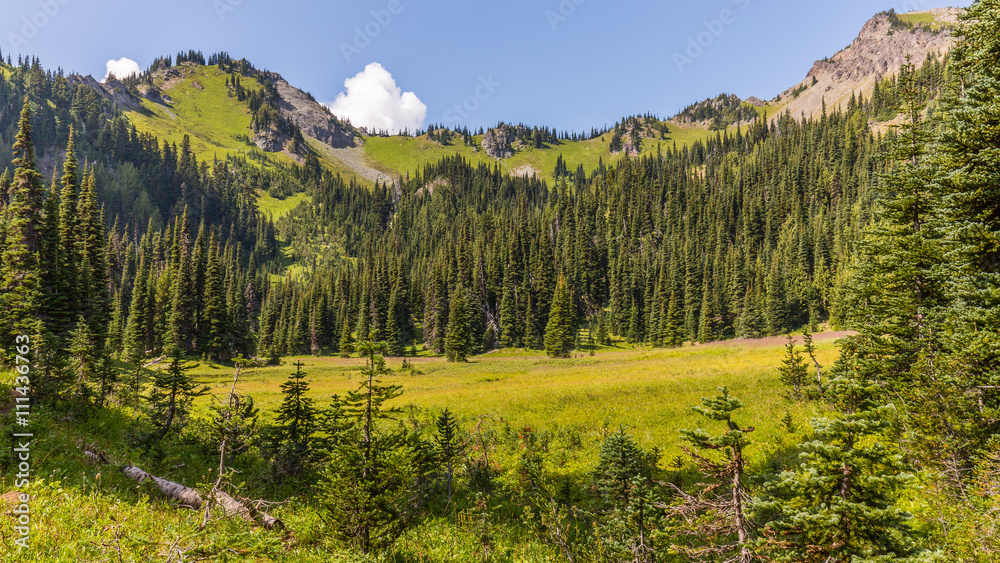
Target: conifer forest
[776,339]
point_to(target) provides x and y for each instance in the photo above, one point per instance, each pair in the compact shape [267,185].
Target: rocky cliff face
[879,51]
[312,118]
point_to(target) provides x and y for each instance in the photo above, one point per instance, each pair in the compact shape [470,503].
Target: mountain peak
[880,50]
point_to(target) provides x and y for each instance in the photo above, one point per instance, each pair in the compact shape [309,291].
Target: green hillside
[200,105]
[399,155]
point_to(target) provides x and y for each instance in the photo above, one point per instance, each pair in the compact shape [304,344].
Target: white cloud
[121,68]
[372,99]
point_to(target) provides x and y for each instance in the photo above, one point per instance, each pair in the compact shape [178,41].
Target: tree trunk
[190,498]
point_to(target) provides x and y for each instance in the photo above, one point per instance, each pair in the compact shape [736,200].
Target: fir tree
[367,482]
[20,286]
[559,332]
[296,424]
[449,446]
[458,343]
[841,502]
[170,398]
[714,521]
[624,479]
[793,369]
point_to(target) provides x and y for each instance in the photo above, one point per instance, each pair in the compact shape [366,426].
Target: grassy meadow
[647,390]
[86,512]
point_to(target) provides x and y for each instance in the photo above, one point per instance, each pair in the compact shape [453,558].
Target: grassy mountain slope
[197,102]
[399,155]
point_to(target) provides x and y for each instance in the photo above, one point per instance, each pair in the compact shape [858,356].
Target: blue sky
[569,64]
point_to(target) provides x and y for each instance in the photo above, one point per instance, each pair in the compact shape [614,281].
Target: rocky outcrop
[269,140]
[312,118]
[498,142]
[113,91]
[879,51]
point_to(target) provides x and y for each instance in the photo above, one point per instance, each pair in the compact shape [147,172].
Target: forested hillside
[124,251]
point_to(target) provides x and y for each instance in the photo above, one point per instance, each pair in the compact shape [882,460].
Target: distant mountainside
[284,123]
[878,52]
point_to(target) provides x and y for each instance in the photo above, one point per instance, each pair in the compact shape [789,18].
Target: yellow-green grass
[274,207]
[202,108]
[81,511]
[399,155]
[649,391]
[921,18]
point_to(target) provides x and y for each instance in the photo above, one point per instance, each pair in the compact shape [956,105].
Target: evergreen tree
[68,229]
[216,330]
[367,482]
[714,522]
[449,446]
[20,286]
[296,424]
[458,343]
[559,332]
[841,502]
[170,399]
[793,369]
[84,357]
[624,480]
[91,262]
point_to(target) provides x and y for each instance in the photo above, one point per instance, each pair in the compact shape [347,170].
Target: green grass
[647,390]
[202,108]
[83,512]
[924,19]
[278,207]
[399,155]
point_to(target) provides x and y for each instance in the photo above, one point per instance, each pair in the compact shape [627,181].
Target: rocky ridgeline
[719,112]
[880,50]
[312,118]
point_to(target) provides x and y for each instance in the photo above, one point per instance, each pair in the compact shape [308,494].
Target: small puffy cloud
[121,68]
[371,99]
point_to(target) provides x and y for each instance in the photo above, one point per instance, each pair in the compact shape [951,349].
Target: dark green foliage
[449,446]
[560,331]
[793,371]
[292,438]
[841,502]
[20,285]
[367,482]
[624,482]
[458,342]
[170,398]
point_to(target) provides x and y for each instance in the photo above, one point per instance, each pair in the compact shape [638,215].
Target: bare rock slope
[879,51]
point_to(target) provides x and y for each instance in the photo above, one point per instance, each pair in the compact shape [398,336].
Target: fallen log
[190,498]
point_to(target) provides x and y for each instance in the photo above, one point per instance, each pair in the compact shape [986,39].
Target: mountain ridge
[878,51]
